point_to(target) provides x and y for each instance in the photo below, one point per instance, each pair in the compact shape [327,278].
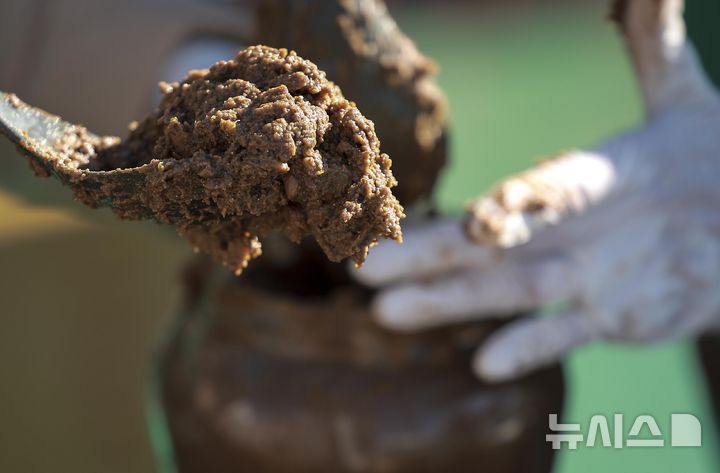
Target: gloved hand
[628,234]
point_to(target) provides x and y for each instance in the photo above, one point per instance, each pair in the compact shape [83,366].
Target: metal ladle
[130,191]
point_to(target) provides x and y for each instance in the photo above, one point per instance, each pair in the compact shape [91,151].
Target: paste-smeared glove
[628,234]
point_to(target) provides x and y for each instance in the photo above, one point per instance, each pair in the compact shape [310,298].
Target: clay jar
[263,381]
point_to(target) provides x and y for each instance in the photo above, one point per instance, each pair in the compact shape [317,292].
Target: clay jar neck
[309,312]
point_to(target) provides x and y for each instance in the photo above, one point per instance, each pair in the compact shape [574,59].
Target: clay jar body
[261,381]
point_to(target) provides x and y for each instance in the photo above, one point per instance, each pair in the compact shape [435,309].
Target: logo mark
[685,431]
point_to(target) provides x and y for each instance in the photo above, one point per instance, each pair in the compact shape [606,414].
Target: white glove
[628,234]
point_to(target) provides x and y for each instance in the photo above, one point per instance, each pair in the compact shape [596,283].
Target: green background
[526,83]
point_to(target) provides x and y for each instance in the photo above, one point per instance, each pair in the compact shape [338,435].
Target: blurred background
[83,298]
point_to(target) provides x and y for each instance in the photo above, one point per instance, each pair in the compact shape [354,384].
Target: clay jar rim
[337,328]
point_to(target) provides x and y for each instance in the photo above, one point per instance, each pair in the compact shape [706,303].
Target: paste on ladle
[260,143]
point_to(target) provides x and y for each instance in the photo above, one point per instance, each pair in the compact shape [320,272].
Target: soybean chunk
[256,144]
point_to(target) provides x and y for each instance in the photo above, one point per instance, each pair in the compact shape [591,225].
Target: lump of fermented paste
[257,144]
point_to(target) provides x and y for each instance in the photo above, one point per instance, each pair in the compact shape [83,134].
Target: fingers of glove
[475,295]
[543,196]
[426,252]
[665,62]
[529,344]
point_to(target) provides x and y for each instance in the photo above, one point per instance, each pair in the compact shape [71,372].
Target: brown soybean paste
[257,144]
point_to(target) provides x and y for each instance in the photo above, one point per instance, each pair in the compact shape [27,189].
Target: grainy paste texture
[359,45]
[257,144]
